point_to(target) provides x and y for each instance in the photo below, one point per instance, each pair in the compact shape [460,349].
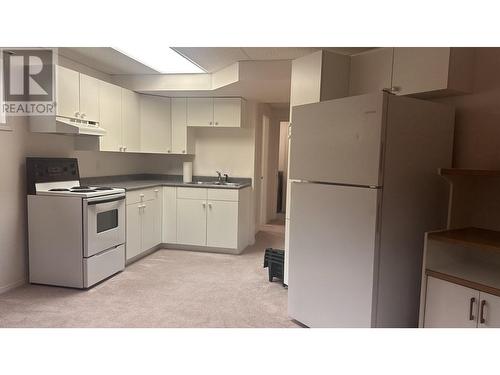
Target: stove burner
[59,189]
[102,188]
[80,188]
[83,190]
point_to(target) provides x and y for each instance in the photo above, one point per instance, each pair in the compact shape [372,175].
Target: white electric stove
[76,233]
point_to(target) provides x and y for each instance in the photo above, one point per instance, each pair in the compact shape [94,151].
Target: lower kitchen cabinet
[144,221]
[213,218]
[449,305]
[134,230]
[169,215]
[192,221]
[151,224]
[222,224]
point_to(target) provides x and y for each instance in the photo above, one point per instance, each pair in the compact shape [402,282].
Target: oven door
[103,223]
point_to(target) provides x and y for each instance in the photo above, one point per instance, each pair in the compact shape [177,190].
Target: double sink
[217,183]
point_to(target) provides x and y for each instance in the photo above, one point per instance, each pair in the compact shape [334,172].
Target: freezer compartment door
[332,252]
[339,141]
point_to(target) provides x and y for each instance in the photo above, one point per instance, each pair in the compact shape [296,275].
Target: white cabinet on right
[432,71]
[416,71]
[449,305]
[217,112]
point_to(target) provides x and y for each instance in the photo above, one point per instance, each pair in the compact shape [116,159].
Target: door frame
[266,121]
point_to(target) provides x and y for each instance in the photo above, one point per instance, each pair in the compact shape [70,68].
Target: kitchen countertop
[144,181]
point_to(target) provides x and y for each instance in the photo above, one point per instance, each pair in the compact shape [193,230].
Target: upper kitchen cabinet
[228,112]
[220,112]
[110,107]
[155,124]
[200,112]
[322,75]
[89,98]
[77,95]
[429,72]
[371,71]
[67,92]
[182,140]
[131,125]
[119,111]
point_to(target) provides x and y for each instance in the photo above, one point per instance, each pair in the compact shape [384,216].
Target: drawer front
[103,265]
[231,195]
[143,195]
[191,193]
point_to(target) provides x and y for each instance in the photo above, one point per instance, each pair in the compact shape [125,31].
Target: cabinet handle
[168,151]
[124,148]
[203,204]
[481,315]
[471,306]
[183,151]
[210,205]
[210,122]
[216,123]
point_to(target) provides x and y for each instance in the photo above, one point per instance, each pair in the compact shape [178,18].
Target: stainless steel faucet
[219,178]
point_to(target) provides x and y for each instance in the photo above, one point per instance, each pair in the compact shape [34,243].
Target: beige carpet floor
[169,288]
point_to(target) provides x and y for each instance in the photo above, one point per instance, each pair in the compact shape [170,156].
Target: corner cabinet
[215,112]
[155,124]
[213,218]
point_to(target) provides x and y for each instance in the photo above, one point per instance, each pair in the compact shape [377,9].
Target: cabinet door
[110,104]
[134,230]
[89,98]
[131,121]
[222,224]
[419,70]
[489,311]
[156,131]
[169,215]
[200,111]
[449,305]
[371,71]
[227,112]
[179,125]
[151,223]
[192,222]
[67,92]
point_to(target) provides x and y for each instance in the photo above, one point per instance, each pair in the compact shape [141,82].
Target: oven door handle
[90,203]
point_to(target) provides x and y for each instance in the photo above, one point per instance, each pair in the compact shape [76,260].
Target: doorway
[273,173]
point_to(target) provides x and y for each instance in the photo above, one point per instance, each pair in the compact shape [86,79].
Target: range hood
[64,125]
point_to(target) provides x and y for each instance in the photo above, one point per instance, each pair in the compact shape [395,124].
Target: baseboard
[202,249]
[16,284]
[142,255]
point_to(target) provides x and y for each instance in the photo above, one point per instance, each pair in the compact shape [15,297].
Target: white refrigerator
[366,189]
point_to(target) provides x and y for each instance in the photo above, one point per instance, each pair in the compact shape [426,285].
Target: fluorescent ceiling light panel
[162,59]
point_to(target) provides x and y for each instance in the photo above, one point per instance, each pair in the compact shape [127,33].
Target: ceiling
[113,62]
[214,58]
[106,60]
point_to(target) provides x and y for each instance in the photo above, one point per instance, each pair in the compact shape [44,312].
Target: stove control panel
[50,170]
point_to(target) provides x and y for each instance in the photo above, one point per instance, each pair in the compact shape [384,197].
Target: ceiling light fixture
[163,60]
